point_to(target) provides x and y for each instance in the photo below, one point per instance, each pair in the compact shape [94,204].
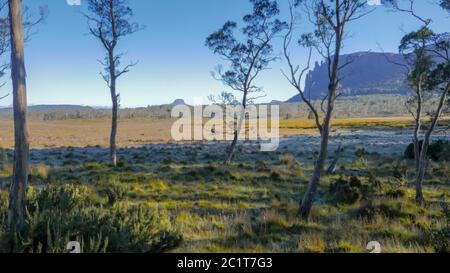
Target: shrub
[276,176]
[392,209]
[437,151]
[346,191]
[64,198]
[409,152]
[288,160]
[261,166]
[396,193]
[439,238]
[360,153]
[3,207]
[3,156]
[158,186]
[59,214]
[93,166]
[39,171]
[115,190]
[440,150]
[400,173]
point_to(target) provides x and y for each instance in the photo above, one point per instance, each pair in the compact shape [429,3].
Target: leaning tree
[109,22]
[330,20]
[427,61]
[248,53]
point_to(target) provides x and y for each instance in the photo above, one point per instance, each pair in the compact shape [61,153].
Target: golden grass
[82,133]
[140,131]
[349,122]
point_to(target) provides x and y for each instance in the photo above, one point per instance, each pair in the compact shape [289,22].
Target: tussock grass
[251,206]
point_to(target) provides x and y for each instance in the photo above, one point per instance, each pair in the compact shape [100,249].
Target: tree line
[247,51]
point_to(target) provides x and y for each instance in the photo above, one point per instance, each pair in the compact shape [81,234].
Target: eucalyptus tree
[14,31]
[248,52]
[427,61]
[110,21]
[19,184]
[445,4]
[330,20]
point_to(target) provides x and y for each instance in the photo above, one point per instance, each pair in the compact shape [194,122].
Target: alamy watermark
[258,123]
[374,2]
[73,2]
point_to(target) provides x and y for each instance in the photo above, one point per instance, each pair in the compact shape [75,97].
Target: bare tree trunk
[308,198]
[423,160]
[418,126]
[232,148]
[332,168]
[115,109]
[18,189]
[420,171]
[241,120]
[112,142]
[420,175]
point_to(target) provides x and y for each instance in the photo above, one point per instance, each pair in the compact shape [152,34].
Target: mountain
[54,108]
[178,102]
[46,112]
[367,73]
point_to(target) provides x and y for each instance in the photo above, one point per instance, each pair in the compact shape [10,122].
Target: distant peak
[178,102]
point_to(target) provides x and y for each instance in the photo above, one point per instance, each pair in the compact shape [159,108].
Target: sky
[62,59]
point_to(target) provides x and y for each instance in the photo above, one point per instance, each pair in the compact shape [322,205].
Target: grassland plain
[250,206]
[139,131]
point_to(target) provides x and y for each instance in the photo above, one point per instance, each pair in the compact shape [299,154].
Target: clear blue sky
[62,59]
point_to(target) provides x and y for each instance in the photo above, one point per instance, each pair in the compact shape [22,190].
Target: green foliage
[93,166]
[409,151]
[346,191]
[3,156]
[59,214]
[276,176]
[3,209]
[360,153]
[439,238]
[261,166]
[114,189]
[440,150]
[445,4]
[250,51]
[400,172]
[288,160]
[237,208]
[392,209]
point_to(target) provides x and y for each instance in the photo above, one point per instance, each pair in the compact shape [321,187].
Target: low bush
[59,214]
[261,166]
[3,156]
[439,238]
[438,151]
[115,190]
[288,160]
[346,191]
[392,209]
